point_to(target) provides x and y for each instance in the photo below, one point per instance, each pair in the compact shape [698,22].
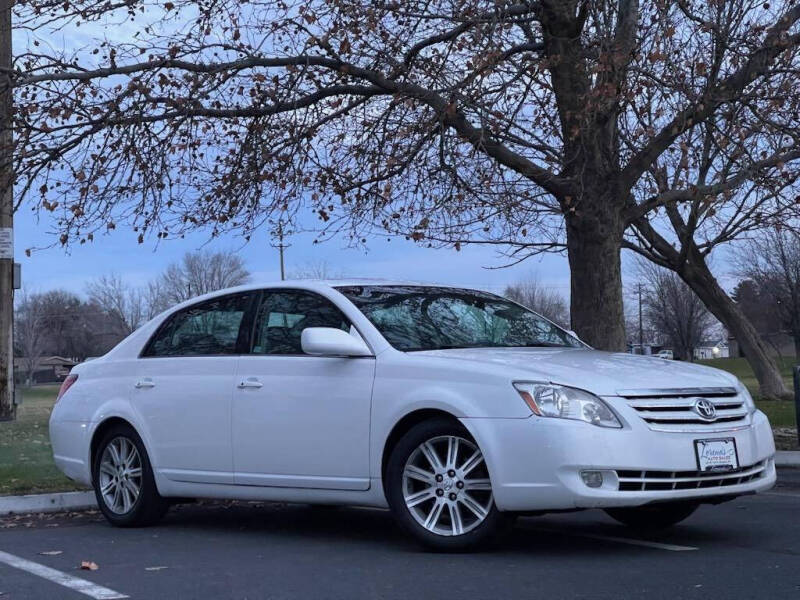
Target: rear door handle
[145,383]
[250,382]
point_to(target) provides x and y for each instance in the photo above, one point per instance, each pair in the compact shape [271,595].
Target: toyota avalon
[455,408]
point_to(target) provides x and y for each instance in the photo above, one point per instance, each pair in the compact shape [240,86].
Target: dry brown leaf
[88,565]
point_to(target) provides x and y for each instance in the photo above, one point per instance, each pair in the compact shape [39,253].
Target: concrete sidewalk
[64,501]
[56,502]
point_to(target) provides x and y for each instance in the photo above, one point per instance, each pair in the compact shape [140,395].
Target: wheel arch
[100,431]
[403,426]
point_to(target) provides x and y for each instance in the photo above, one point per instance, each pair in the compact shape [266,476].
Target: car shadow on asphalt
[571,534]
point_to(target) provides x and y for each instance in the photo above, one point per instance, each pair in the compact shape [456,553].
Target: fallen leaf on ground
[51,552]
[155,568]
[88,565]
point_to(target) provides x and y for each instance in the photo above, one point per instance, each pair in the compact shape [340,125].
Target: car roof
[312,284]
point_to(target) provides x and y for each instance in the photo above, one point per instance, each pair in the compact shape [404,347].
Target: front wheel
[123,480]
[653,516]
[439,489]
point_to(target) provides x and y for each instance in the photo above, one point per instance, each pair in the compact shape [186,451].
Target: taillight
[65,385]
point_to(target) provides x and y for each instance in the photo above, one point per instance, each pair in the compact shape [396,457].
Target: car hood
[602,373]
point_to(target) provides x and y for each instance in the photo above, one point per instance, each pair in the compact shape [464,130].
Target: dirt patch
[785,438]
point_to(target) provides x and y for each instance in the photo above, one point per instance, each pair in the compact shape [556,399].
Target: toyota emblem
[706,409]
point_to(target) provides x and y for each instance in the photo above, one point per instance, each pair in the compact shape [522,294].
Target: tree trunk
[796,337]
[702,281]
[593,247]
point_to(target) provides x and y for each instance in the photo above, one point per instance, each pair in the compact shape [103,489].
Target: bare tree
[197,273]
[529,125]
[29,333]
[72,327]
[545,301]
[771,260]
[674,311]
[123,302]
[319,269]
[758,304]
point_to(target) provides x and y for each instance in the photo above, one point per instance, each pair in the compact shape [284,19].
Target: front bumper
[536,463]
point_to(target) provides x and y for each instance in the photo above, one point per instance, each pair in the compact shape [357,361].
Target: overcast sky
[120,253]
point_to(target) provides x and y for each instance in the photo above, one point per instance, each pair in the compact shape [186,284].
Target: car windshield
[415,318]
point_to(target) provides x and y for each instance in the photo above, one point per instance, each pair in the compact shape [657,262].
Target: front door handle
[145,383]
[250,382]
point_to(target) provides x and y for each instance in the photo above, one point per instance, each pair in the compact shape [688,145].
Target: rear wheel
[439,488]
[123,480]
[653,516]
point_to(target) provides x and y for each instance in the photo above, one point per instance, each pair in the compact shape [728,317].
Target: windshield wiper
[463,347]
[449,347]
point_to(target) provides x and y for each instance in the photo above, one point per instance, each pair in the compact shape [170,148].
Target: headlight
[748,399]
[549,400]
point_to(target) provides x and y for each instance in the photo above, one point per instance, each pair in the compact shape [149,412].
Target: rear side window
[283,315]
[210,328]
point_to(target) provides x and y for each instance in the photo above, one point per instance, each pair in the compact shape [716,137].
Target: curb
[787,459]
[65,501]
[35,503]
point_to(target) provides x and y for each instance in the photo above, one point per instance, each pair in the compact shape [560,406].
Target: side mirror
[328,341]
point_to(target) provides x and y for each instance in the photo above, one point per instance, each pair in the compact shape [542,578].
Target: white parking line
[74,583]
[620,540]
[784,494]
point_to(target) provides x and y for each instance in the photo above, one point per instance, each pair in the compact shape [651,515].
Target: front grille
[674,410]
[653,481]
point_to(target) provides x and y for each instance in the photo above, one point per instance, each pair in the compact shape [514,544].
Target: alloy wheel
[120,475]
[446,485]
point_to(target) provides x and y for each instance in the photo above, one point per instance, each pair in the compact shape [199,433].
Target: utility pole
[281,247]
[641,328]
[7,405]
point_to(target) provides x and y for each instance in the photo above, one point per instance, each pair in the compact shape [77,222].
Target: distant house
[708,349]
[49,369]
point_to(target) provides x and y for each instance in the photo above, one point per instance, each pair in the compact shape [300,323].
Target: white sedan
[455,408]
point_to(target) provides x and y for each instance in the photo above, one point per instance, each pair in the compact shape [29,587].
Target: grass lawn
[26,459]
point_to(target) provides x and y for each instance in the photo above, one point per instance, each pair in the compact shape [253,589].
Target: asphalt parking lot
[747,548]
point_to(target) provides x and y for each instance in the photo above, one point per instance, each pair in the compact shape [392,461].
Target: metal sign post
[797,401]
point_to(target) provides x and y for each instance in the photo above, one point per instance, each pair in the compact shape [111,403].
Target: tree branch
[746,173]
[776,42]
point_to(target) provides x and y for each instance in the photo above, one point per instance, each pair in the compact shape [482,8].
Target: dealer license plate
[716,455]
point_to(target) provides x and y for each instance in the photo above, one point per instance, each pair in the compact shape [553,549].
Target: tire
[115,488]
[653,516]
[446,497]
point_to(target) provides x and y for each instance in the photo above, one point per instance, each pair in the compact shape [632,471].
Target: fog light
[593,479]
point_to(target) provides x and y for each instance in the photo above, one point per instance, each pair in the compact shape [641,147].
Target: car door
[300,420]
[184,388]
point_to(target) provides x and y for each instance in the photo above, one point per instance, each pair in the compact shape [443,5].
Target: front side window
[432,318]
[282,316]
[212,327]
